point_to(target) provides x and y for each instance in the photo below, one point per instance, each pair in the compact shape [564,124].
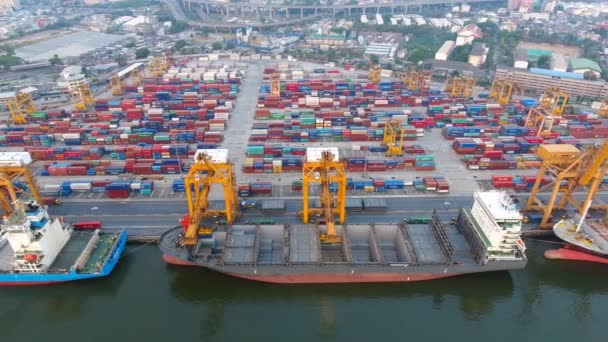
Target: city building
[541,79]
[467,34]
[478,55]
[521,59]
[512,5]
[526,6]
[444,51]
[584,65]
[329,40]
[558,62]
[383,51]
[549,6]
[9,5]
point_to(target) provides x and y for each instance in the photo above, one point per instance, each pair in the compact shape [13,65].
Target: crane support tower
[19,106]
[275,85]
[210,167]
[501,91]
[159,65]
[460,86]
[323,166]
[82,96]
[554,101]
[393,137]
[572,170]
[539,121]
[603,110]
[14,167]
[374,74]
[415,80]
[551,106]
[116,85]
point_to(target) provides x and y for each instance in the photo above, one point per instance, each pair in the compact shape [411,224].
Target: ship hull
[577,248]
[23,279]
[345,274]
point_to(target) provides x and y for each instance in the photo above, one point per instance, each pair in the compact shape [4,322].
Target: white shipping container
[71,136]
[51,186]
[81,186]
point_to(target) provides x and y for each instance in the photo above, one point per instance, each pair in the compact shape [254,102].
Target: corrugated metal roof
[584,63]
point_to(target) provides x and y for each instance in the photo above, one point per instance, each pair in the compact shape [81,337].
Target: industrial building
[383,51]
[468,34]
[478,54]
[584,65]
[540,79]
[444,51]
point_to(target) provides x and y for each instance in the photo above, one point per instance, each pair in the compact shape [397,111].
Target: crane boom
[598,164]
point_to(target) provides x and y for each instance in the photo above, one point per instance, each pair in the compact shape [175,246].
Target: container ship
[36,249]
[587,240]
[483,238]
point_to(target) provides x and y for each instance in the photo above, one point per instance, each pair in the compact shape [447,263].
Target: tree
[55,60]
[455,73]
[216,46]
[461,53]
[8,61]
[544,62]
[374,59]
[130,45]
[230,46]
[177,26]
[142,53]
[419,54]
[180,44]
[120,59]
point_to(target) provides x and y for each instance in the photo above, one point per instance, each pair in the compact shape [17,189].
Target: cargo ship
[483,238]
[587,240]
[36,249]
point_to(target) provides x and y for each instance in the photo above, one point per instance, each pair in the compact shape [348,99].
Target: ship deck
[71,251]
[593,235]
[423,244]
[69,254]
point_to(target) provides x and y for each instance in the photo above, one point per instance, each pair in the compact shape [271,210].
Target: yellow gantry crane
[572,170]
[603,110]
[501,91]
[19,106]
[275,85]
[554,101]
[14,166]
[551,106]
[210,167]
[460,86]
[393,137]
[325,169]
[117,80]
[417,80]
[159,65]
[374,74]
[82,96]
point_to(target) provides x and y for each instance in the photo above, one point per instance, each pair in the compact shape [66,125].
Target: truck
[248,204]
[50,201]
[87,225]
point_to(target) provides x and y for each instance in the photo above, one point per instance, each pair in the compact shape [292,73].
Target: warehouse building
[540,79]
